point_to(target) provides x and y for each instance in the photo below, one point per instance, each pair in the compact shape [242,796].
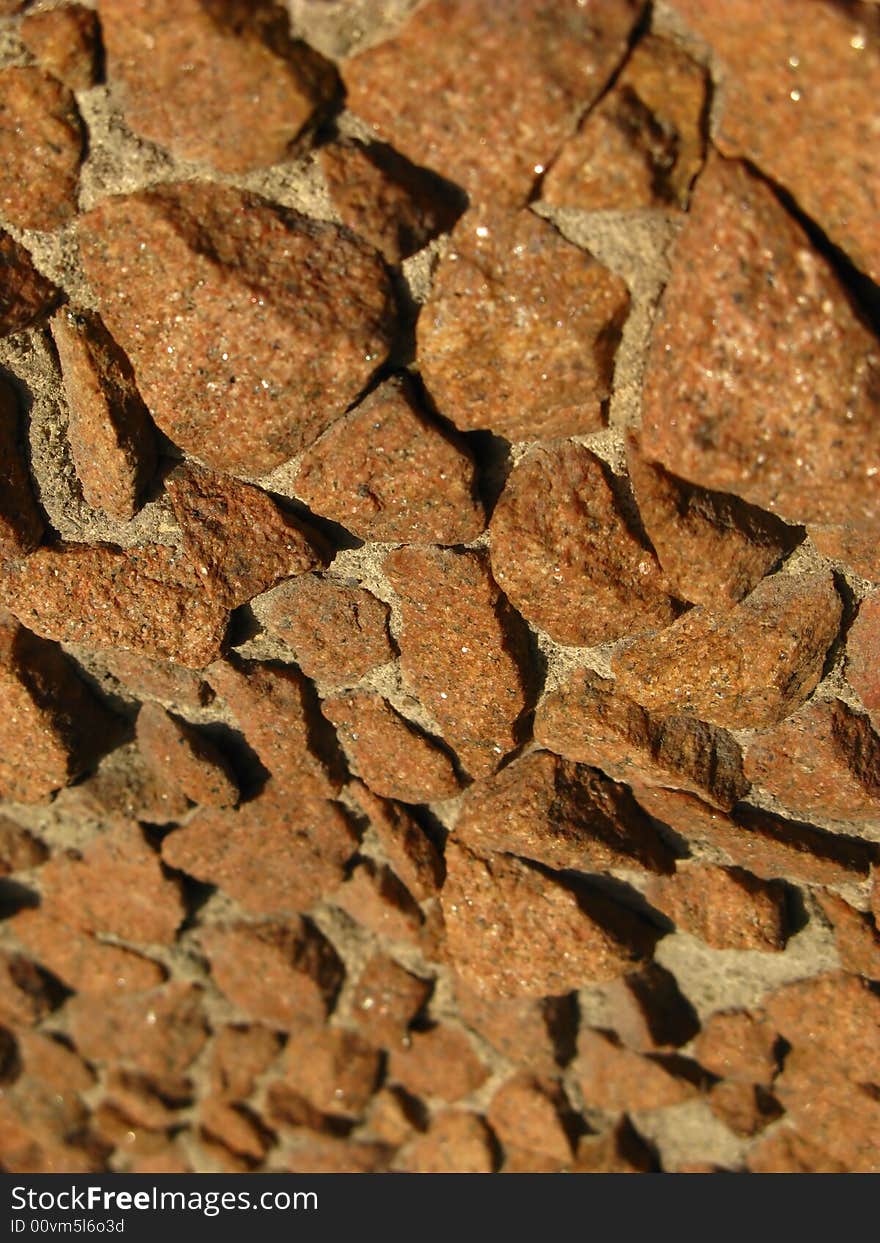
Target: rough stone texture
[111,436]
[393,757]
[238,539]
[26,295]
[219,81]
[21,523]
[743,1108]
[616,1079]
[564,555]
[855,935]
[439,1063]
[185,758]
[519,1028]
[521,329]
[834,1016]
[525,1113]
[385,1001]
[560,814]
[272,325]
[145,678]
[374,897]
[855,544]
[461,651]
[823,761]
[336,631]
[484,93]
[505,922]
[66,42]
[642,145]
[387,473]
[841,1117]
[863,654]
[148,598]
[738,1046]
[395,206]
[403,841]
[799,81]
[587,719]
[329,1070]
[757,349]
[82,963]
[727,908]
[713,548]
[455,1142]
[40,148]
[125,785]
[749,667]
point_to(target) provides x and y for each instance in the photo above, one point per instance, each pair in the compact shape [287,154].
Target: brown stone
[799,79]
[454,1143]
[332,1070]
[617,1079]
[389,1117]
[244,358]
[393,756]
[462,651]
[648,1011]
[125,786]
[52,725]
[396,206]
[145,678]
[833,1016]
[855,935]
[725,907]
[521,1029]
[560,814]
[713,548]
[147,598]
[404,843]
[387,472]
[279,974]
[438,1063]
[642,145]
[239,540]
[823,761]
[26,295]
[239,1056]
[525,1112]
[505,923]
[26,993]
[386,999]
[46,1132]
[234,1128]
[863,654]
[185,758]
[21,524]
[738,1046]
[521,329]
[587,719]
[337,631]
[840,1116]
[762,843]
[746,668]
[111,436]
[41,143]
[219,81]
[853,543]
[564,555]
[46,1058]
[787,1151]
[86,965]
[744,1108]
[66,42]
[484,93]
[20,850]
[377,900]
[773,379]
[309,1153]
[621,1150]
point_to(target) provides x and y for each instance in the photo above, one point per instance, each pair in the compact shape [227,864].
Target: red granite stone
[727,908]
[854,543]
[863,654]
[239,1055]
[386,999]
[374,897]
[157,679]
[403,842]
[832,1016]
[85,965]
[330,1070]
[455,1142]
[616,1079]
[438,1063]
[66,42]
[184,758]
[738,1046]
[855,935]
[41,144]
[26,295]
[525,1113]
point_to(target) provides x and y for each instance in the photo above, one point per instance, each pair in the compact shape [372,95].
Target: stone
[648,1011]
[863,654]
[217,81]
[21,523]
[855,935]
[738,1046]
[280,974]
[642,145]
[833,1016]
[234,1128]
[388,1117]
[83,888]
[159,1032]
[439,1063]
[564,555]
[616,1079]
[244,358]
[385,1000]
[525,1112]
[145,678]
[787,1151]
[520,1029]
[854,543]
[337,631]
[332,1070]
[395,206]
[744,1108]
[840,1116]
[773,377]
[85,965]
[620,1150]
[47,1132]
[147,598]
[111,436]
[27,994]
[393,756]
[747,668]
[587,719]
[762,843]
[521,329]
[387,472]
[484,93]
[46,1058]
[41,146]
[461,651]
[185,758]
[53,726]
[309,1153]
[798,81]
[124,785]
[20,850]
[505,923]
[403,842]
[713,548]
[239,1056]
[66,42]
[276,855]
[239,540]
[455,1142]
[822,761]
[377,900]
[560,814]
[727,908]
[26,295]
